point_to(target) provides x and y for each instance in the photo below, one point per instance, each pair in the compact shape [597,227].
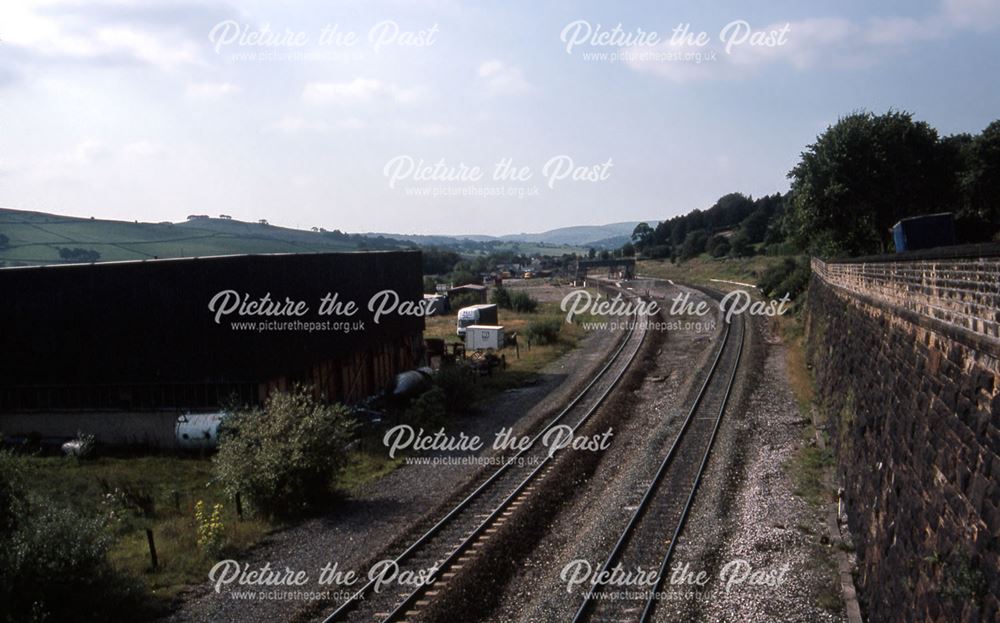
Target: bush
[459,387]
[739,245]
[283,458]
[543,331]
[658,252]
[53,561]
[717,246]
[428,409]
[501,296]
[79,255]
[523,302]
[12,491]
[694,244]
[790,277]
[57,569]
[519,301]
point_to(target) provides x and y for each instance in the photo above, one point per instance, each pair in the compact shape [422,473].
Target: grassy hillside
[36,238]
[702,269]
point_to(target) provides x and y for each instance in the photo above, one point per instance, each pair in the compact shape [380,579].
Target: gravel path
[747,511]
[392,508]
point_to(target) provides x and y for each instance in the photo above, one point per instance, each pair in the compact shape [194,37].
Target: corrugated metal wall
[140,334]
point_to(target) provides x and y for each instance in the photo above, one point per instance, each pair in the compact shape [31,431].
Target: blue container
[924,232]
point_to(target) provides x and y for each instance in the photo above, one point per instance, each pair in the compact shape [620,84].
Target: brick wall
[906,362]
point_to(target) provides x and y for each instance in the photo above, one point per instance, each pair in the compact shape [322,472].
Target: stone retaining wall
[905,356]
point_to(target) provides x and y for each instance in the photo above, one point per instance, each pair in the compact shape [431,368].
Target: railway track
[649,538]
[447,546]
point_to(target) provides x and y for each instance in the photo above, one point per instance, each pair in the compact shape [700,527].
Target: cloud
[56,33]
[87,152]
[428,130]
[502,79]
[812,42]
[977,15]
[210,90]
[143,149]
[358,90]
[297,125]
[730,54]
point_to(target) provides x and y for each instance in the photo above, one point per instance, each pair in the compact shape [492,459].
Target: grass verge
[154,492]
[702,269]
[523,368]
[160,493]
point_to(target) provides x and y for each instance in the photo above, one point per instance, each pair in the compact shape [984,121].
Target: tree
[755,226]
[862,175]
[717,246]
[694,244]
[979,180]
[642,234]
[628,249]
[591,253]
[79,255]
[739,246]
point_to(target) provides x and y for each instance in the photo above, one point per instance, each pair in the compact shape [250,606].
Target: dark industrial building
[119,349]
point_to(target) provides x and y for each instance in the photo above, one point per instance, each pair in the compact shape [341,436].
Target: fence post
[152,547]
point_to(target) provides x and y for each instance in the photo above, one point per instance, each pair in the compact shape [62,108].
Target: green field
[36,238]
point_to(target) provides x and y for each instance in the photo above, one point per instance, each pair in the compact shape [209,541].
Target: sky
[441,116]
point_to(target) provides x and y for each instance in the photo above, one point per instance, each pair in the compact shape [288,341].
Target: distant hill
[608,236]
[28,238]
[40,238]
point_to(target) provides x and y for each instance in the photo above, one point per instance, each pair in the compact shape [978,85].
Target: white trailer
[483,337]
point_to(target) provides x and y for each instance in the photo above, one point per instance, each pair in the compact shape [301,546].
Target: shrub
[428,409]
[54,567]
[543,331]
[519,301]
[658,252]
[283,458]
[12,491]
[790,277]
[459,387]
[501,296]
[739,245]
[717,246]
[79,255]
[694,244]
[523,302]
